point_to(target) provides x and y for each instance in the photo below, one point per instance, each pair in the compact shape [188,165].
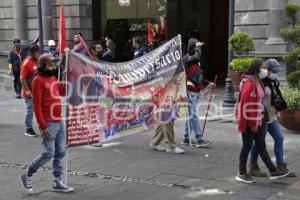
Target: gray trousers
[164,131]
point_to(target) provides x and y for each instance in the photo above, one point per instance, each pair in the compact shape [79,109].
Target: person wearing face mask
[28,72]
[47,108]
[52,49]
[140,48]
[110,46]
[195,82]
[15,57]
[249,115]
[270,70]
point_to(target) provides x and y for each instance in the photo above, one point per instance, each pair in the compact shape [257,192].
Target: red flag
[62,41]
[151,34]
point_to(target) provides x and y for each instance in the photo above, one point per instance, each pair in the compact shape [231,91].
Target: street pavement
[127,169]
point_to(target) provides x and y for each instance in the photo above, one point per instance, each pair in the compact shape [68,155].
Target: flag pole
[85,46]
[210,98]
[188,118]
[66,115]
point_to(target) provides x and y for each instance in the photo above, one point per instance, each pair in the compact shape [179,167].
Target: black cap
[34,48]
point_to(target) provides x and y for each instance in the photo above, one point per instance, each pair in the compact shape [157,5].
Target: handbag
[279,103]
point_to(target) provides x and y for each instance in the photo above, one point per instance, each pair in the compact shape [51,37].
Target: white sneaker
[176,150]
[158,147]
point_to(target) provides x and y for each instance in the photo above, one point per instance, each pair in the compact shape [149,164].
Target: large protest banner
[111,100]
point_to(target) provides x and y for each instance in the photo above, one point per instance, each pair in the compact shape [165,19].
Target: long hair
[254,67]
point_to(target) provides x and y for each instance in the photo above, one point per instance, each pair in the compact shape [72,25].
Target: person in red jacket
[46,93]
[250,114]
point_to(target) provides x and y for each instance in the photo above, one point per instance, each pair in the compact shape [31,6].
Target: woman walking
[250,114]
[272,104]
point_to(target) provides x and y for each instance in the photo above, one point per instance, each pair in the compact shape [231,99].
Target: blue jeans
[54,147]
[276,133]
[29,113]
[194,121]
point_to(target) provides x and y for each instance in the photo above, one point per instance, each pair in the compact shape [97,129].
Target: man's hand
[199,44]
[45,132]
[28,94]
[10,69]
[254,129]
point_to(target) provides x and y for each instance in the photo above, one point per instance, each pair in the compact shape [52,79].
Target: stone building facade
[262,19]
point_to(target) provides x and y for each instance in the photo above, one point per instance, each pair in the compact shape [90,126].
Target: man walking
[28,71]
[47,109]
[15,57]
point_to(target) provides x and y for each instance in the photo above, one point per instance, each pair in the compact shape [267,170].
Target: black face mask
[18,46]
[44,72]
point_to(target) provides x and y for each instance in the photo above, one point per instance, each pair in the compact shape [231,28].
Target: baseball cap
[34,48]
[273,64]
[46,59]
[51,43]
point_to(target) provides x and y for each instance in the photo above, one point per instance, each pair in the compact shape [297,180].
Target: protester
[139,46]
[110,45]
[15,57]
[106,53]
[28,72]
[166,129]
[100,50]
[194,38]
[47,108]
[195,83]
[249,115]
[79,46]
[272,94]
[52,49]
[95,50]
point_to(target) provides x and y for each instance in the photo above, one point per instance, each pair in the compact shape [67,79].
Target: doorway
[210,17]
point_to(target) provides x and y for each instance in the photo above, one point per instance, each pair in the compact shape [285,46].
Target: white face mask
[273,76]
[263,73]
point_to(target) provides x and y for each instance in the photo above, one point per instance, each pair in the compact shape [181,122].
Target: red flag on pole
[151,34]
[62,41]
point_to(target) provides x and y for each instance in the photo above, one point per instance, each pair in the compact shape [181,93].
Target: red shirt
[28,71]
[46,93]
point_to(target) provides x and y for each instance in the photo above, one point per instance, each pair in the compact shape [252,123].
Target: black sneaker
[202,143]
[186,141]
[278,174]
[26,183]
[245,178]
[59,186]
[31,133]
[18,96]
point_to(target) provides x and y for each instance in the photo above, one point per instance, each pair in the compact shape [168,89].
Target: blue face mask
[273,76]
[263,73]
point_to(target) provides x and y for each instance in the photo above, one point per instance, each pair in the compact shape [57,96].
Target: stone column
[47,21]
[277,20]
[20,20]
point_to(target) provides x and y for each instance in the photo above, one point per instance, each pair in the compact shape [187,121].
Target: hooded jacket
[250,107]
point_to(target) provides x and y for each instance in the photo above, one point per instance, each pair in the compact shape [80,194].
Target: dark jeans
[276,133]
[248,136]
[17,82]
